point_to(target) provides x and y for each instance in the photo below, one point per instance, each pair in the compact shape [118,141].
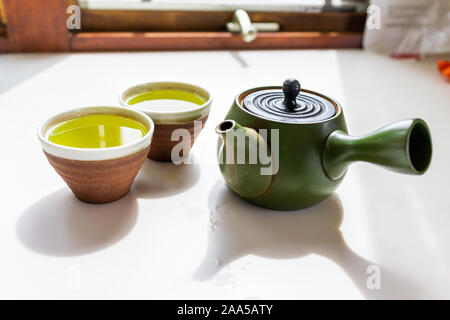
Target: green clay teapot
[288,148]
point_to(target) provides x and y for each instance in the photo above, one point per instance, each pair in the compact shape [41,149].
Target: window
[213,15]
[222,5]
[183,24]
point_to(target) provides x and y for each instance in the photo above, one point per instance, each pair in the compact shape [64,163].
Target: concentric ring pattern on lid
[289,104]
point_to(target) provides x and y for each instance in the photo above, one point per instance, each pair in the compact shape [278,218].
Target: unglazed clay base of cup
[162,145]
[97,175]
[99,181]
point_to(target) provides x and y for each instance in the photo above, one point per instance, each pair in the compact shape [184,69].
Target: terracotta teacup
[168,144]
[97,175]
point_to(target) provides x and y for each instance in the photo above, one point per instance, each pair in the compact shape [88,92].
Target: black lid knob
[291,89]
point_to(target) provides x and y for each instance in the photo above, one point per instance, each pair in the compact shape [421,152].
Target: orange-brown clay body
[99,181]
[162,145]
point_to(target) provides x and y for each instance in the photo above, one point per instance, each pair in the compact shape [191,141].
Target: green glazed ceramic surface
[314,155]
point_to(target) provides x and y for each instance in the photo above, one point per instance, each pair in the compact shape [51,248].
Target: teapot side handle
[404,146]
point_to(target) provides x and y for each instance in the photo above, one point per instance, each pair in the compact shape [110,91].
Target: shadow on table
[236,55]
[238,228]
[61,225]
[164,179]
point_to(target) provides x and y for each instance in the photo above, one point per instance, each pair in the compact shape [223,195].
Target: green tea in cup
[97,131]
[172,106]
[98,151]
[166,100]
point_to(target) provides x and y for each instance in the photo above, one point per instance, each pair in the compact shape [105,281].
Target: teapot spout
[227,126]
[404,146]
[244,158]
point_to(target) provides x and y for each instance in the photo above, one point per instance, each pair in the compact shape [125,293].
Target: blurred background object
[412,28]
[444,68]
[2,20]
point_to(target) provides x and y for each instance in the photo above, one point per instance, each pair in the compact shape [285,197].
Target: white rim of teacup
[88,154]
[169,117]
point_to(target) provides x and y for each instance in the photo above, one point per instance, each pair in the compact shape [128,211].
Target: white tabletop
[181,233]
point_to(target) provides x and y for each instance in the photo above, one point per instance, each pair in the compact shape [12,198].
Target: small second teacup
[98,151]
[172,106]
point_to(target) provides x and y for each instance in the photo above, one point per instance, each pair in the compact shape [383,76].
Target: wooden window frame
[40,25]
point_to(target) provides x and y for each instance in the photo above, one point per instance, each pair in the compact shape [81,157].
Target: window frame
[168,30]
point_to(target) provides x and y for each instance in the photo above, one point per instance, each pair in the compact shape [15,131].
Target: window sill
[111,41]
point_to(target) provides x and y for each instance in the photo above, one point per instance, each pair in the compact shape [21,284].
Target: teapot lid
[289,104]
